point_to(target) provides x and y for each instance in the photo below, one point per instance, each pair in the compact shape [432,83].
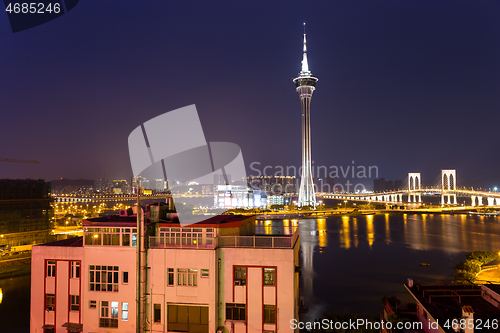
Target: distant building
[236,196]
[382,185]
[214,276]
[273,184]
[121,186]
[73,186]
[439,305]
[25,213]
[275,200]
[101,185]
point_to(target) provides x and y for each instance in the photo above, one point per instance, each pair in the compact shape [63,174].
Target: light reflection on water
[349,262]
[15,304]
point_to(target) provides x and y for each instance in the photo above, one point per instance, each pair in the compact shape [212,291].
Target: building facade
[25,213]
[215,276]
[238,196]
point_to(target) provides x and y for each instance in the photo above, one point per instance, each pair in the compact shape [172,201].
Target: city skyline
[405,87]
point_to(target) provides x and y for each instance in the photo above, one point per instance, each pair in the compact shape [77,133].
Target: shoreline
[319,214]
[19,267]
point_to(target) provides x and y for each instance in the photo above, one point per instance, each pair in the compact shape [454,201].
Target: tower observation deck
[305,84]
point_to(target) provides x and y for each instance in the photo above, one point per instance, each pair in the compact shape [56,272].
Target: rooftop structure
[441,305]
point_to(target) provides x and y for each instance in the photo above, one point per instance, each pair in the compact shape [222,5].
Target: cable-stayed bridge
[445,185]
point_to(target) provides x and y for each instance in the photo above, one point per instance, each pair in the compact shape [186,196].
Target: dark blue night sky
[408,86]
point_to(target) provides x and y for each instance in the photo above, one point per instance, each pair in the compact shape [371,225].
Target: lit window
[240,276]
[108,318]
[187,277]
[269,276]
[51,268]
[124,311]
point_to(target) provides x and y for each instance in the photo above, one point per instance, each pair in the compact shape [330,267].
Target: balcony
[262,242]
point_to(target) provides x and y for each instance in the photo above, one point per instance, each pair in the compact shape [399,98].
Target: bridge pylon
[448,183]
[414,187]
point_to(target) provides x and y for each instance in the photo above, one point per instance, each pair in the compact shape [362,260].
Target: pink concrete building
[215,276]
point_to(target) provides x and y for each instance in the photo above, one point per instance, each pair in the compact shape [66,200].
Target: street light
[345,204]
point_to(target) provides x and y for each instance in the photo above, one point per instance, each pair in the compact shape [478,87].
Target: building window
[125,277]
[209,236]
[124,311]
[92,304]
[109,317]
[204,273]
[74,303]
[93,238]
[51,268]
[269,314]
[187,277]
[170,276]
[50,301]
[269,276]
[126,238]
[102,236]
[75,269]
[240,276]
[182,318]
[103,278]
[235,311]
[157,313]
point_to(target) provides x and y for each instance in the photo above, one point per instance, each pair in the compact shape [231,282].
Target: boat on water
[485,213]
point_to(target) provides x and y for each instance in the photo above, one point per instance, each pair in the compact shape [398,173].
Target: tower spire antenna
[305,65]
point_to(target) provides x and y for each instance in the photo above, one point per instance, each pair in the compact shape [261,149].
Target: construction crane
[14,160]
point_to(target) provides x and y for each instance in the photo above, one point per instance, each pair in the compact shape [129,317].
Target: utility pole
[140,269]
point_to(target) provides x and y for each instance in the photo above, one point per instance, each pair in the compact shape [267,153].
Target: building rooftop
[70,242]
[220,221]
[444,303]
[114,220]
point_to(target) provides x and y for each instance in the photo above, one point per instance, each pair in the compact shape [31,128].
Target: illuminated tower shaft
[306,83]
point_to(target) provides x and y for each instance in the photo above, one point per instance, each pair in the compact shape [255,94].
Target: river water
[347,262]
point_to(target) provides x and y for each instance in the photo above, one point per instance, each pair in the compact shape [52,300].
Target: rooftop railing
[263,242]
